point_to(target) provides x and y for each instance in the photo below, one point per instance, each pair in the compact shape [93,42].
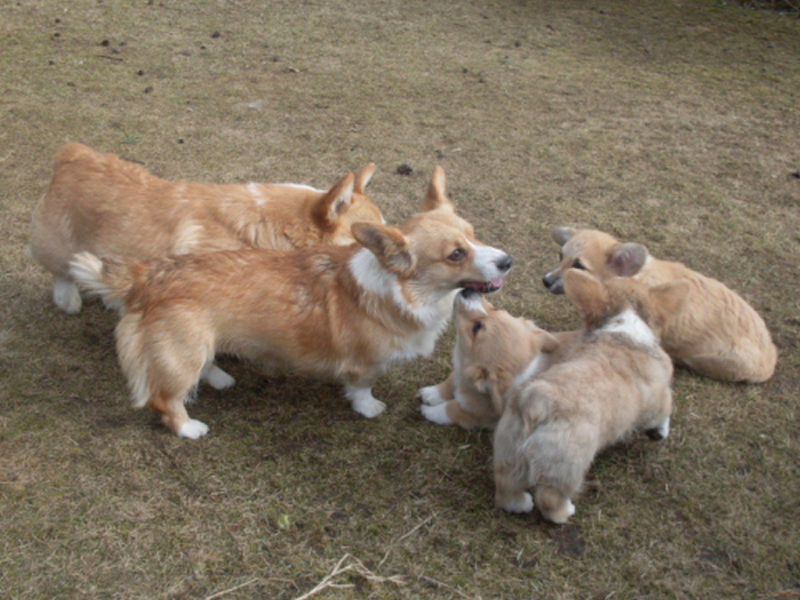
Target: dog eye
[578,265]
[457,255]
[476,327]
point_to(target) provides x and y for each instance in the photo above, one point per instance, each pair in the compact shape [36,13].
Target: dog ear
[363,177]
[494,384]
[388,245]
[669,299]
[335,202]
[626,260]
[545,342]
[586,292]
[436,197]
[561,235]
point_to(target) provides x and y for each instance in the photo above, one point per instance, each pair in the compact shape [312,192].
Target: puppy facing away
[717,334]
[613,380]
[102,204]
[345,312]
[490,343]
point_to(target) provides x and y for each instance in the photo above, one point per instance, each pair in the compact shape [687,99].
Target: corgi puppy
[488,341]
[717,333]
[613,380]
[111,207]
[345,312]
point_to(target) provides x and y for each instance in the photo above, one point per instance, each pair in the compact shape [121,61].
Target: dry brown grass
[672,124]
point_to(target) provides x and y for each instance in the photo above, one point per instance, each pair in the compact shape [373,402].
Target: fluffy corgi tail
[109,279]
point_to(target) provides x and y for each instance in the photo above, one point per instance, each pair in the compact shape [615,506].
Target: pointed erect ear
[670,298]
[335,202]
[586,292]
[560,235]
[363,177]
[387,244]
[436,191]
[626,260]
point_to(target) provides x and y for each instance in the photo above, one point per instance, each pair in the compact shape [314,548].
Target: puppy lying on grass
[717,334]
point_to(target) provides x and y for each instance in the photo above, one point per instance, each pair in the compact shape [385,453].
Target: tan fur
[341,312]
[614,380]
[102,204]
[492,349]
[717,333]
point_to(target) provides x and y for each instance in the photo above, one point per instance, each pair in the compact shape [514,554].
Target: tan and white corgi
[490,344]
[102,204]
[717,334]
[345,312]
[613,380]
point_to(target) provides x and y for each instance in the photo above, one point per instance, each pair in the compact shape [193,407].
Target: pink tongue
[497,283]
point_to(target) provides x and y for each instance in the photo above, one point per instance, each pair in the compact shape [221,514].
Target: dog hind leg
[174,415]
[66,295]
[554,505]
[216,377]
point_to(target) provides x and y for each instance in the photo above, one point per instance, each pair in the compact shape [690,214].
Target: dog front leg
[439,394]
[363,402]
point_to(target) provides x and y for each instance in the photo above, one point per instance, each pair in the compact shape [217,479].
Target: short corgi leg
[363,402]
[66,295]
[216,377]
[508,495]
[451,412]
[660,431]
[438,394]
[553,505]
[174,415]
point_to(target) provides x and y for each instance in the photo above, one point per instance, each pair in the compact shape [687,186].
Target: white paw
[570,508]
[521,507]
[66,296]
[663,429]
[363,402]
[216,377]
[193,429]
[437,414]
[430,396]
[369,407]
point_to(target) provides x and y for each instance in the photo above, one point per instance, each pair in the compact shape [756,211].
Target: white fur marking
[525,506]
[530,371]
[363,402]
[471,303]
[66,296]
[486,259]
[631,325]
[255,192]
[436,414]
[301,186]
[193,429]
[663,429]
[432,312]
[430,395]
[216,377]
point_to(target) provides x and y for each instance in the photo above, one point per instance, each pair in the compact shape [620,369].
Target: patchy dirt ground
[673,124]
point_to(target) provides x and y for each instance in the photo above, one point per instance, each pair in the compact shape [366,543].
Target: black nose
[547,283]
[504,264]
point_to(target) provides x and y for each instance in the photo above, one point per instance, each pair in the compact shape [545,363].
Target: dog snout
[553,282]
[504,263]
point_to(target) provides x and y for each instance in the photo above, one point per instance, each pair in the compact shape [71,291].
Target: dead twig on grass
[356,566]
